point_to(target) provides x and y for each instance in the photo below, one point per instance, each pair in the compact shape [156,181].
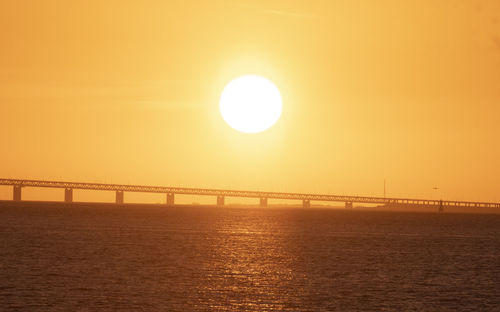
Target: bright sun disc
[250,104]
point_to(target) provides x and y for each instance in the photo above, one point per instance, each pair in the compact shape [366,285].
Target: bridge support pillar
[348,205]
[17,193]
[306,203]
[119,197]
[441,208]
[170,199]
[220,201]
[263,202]
[68,195]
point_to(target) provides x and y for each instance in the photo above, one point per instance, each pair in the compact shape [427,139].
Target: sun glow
[250,104]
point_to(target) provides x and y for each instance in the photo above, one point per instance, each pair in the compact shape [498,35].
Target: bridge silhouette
[221,194]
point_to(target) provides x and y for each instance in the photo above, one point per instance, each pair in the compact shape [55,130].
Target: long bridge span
[220,194]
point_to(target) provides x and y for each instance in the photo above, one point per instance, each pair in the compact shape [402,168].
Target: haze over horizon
[129,93]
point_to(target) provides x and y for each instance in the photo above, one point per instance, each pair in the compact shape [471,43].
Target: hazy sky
[127,92]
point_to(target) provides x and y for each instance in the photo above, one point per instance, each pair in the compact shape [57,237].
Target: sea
[188,258]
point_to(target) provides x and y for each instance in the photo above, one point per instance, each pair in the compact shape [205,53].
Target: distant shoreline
[413,209]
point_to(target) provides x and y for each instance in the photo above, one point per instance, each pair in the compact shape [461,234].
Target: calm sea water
[214,259]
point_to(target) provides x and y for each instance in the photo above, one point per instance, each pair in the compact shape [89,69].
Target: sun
[250,104]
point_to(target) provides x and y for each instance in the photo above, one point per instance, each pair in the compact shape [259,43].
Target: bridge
[220,194]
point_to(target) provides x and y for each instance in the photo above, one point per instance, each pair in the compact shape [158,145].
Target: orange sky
[127,92]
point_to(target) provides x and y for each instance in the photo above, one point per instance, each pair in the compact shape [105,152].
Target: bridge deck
[239,193]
